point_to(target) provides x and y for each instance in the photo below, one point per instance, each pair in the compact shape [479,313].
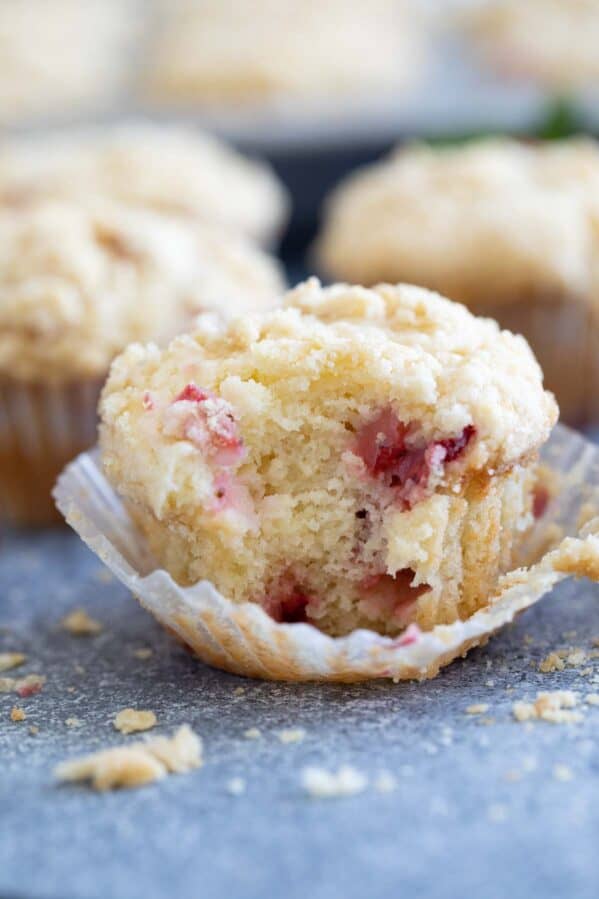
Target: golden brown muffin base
[42,427]
[564,335]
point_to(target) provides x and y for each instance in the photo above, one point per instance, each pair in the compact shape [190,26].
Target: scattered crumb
[10,660]
[79,669]
[478,708]
[513,775]
[292,735]
[321,784]
[236,786]
[130,721]
[103,576]
[497,813]
[73,722]
[554,707]
[34,730]
[562,772]
[489,683]
[24,686]
[385,782]
[486,721]
[552,662]
[71,689]
[592,699]
[595,641]
[17,714]
[80,624]
[136,764]
[252,733]
[143,653]
[239,691]
[576,657]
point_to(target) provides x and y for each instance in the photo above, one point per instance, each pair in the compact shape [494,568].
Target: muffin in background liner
[243,639]
[42,427]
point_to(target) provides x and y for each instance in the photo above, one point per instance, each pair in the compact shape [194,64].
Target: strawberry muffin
[61,56]
[164,168]
[236,54]
[553,42]
[76,286]
[360,458]
[510,229]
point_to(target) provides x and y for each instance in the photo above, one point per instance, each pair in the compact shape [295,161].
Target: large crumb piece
[323,784]
[478,708]
[17,714]
[291,735]
[552,662]
[24,686]
[130,721]
[10,660]
[556,707]
[252,733]
[80,624]
[137,764]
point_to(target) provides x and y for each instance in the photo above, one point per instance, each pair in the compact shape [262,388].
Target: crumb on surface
[252,733]
[34,730]
[80,624]
[497,813]
[385,782]
[592,699]
[17,714]
[555,707]
[143,653]
[291,735]
[73,722]
[479,708]
[322,784]
[551,662]
[236,786]
[23,686]
[10,660]
[130,721]
[136,764]
[562,772]
[239,691]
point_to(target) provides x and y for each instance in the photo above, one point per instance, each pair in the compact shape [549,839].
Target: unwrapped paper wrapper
[243,639]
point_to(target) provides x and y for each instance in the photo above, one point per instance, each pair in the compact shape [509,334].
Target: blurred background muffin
[57,56]
[77,284]
[180,171]
[209,52]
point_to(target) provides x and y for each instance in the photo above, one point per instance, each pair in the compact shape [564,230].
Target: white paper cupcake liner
[243,639]
[42,427]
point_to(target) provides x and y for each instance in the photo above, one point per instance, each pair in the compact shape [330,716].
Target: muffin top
[77,284]
[237,52]
[551,41]
[162,168]
[334,357]
[490,221]
[63,54]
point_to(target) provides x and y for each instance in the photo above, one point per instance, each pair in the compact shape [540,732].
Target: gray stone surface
[477,810]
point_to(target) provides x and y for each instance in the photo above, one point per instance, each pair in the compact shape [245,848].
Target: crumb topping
[322,784]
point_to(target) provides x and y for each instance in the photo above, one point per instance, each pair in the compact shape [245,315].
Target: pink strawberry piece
[540,500]
[411,635]
[207,421]
[383,445]
[391,596]
[288,606]
[29,689]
